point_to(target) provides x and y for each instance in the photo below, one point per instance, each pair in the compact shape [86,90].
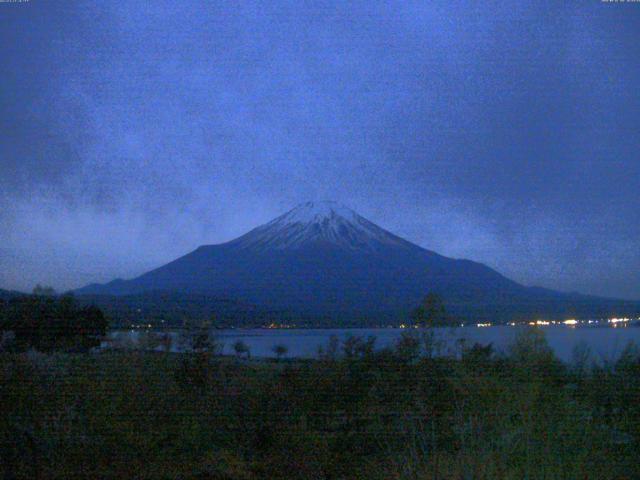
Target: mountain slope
[324,259]
[173,309]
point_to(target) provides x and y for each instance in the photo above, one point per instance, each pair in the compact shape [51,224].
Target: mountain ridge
[324,259]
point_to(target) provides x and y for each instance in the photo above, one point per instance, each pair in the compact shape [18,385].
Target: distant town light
[618,320]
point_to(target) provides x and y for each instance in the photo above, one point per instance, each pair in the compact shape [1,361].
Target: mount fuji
[323,259]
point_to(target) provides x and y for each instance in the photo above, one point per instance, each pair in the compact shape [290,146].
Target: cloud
[502,133]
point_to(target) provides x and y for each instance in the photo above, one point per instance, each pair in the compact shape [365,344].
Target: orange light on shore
[618,320]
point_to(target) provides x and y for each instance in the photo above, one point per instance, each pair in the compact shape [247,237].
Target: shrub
[280,350]
[407,347]
[358,347]
[241,349]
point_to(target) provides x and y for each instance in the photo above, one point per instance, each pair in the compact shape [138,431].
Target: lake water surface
[605,343]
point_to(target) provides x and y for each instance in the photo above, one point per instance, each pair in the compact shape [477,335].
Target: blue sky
[503,132]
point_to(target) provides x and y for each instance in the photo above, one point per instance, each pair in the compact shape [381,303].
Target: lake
[605,342]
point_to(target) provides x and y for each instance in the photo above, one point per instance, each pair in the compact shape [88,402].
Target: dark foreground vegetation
[352,413]
[48,323]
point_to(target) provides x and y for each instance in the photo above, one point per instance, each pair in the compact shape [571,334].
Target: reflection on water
[605,343]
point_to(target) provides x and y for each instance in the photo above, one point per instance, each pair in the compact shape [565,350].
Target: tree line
[48,323]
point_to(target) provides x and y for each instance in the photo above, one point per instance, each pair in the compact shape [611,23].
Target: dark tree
[358,347]
[280,350]
[201,341]
[408,347]
[241,348]
[431,312]
[43,291]
[48,323]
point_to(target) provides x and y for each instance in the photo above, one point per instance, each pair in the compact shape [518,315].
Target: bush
[280,350]
[241,349]
[358,347]
[531,356]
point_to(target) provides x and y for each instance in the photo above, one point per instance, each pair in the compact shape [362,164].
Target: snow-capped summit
[323,259]
[313,223]
[314,212]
